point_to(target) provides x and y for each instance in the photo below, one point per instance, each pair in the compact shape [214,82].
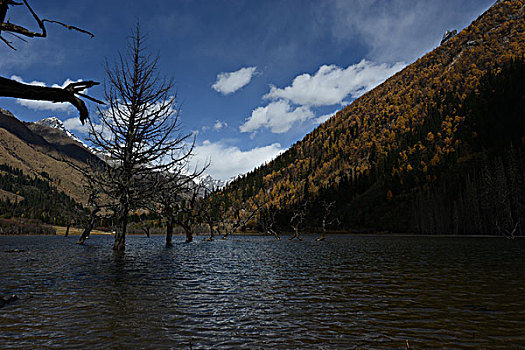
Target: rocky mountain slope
[54,132]
[55,123]
[35,150]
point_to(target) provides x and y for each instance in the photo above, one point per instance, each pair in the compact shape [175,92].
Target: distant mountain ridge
[55,123]
[209,183]
[59,137]
[42,151]
[49,140]
[10,123]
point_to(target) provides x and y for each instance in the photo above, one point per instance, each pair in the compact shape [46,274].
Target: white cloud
[331,84]
[219,125]
[229,161]
[76,127]
[399,30]
[44,105]
[228,83]
[74,124]
[278,116]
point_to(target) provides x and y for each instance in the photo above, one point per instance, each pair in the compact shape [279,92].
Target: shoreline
[286,234]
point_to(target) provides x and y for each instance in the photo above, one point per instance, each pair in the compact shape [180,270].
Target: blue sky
[253,77]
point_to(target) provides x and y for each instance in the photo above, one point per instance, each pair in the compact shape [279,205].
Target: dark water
[255,292]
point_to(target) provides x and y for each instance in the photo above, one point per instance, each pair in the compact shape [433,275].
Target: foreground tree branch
[11,88]
[15,29]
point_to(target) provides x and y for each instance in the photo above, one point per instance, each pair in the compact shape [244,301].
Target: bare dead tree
[177,200]
[297,220]
[166,199]
[95,202]
[328,219]
[211,220]
[12,88]
[187,211]
[90,222]
[212,208]
[89,225]
[145,226]
[508,233]
[240,214]
[139,134]
[222,223]
[268,223]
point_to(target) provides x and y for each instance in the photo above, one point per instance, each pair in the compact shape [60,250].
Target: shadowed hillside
[62,142]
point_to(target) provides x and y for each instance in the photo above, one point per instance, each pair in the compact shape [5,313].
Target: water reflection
[255,292]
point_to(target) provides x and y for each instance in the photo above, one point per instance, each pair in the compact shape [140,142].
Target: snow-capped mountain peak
[208,182]
[55,123]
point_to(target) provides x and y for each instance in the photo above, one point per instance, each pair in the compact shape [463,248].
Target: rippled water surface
[255,292]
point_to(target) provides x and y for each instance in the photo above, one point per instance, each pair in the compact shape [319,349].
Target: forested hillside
[437,148]
[27,150]
[35,198]
[39,181]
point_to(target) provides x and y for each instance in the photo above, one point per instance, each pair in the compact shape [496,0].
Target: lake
[258,293]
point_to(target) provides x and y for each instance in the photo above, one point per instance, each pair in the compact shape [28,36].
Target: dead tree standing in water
[327,219]
[267,221]
[89,226]
[240,215]
[297,220]
[139,134]
[212,207]
[94,200]
[172,199]
[187,210]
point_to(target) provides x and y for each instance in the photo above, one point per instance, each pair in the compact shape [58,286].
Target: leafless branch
[12,28]
[12,88]
[140,135]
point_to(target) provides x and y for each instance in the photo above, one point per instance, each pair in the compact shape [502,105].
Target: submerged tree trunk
[122,225]
[189,236]
[212,234]
[169,232]
[296,235]
[89,226]
[323,233]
